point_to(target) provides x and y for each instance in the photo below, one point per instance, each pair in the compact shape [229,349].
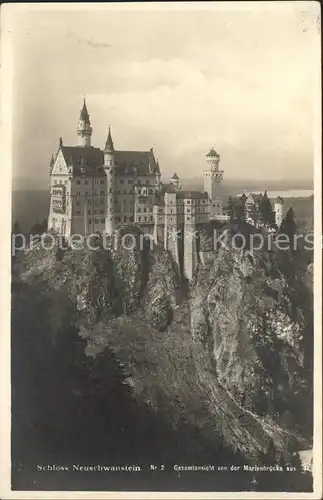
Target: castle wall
[189,239]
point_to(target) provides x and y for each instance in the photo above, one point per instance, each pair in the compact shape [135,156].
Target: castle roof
[135,163]
[88,158]
[89,161]
[257,197]
[168,188]
[212,152]
[175,176]
[109,144]
[279,199]
[192,195]
[84,113]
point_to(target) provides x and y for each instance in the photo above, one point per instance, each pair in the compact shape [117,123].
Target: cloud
[182,82]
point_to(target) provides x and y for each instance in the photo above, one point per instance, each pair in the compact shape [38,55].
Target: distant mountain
[29,207]
[231,187]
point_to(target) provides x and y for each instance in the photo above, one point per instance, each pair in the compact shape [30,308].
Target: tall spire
[109,143]
[84,113]
[84,129]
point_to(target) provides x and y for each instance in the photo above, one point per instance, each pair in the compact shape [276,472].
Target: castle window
[110,190]
[145,209]
[188,210]
[139,191]
[125,219]
[78,182]
[77,212]
[147,182]
[139,209]
[101,211]
[96,221]
[145,218]
[129,181]
[121,181]
[55,182]
[101,181]
[101,193]
[188,218]
[151,217]
[89,213]
[86,181]
[102,221]
[139,218]
[96,181]
[90,221]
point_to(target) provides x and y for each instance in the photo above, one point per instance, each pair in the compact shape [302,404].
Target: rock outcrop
[227,358]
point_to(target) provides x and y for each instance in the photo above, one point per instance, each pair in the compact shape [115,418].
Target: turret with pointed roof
[212,152]
[84,129]
[84,115]
[175,180]
[109,147]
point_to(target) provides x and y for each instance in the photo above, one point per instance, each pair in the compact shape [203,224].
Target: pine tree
[266,210]
[288,228]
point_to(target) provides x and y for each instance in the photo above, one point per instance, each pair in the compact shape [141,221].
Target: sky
[181,81]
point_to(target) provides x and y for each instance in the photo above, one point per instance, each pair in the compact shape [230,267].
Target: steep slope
[225,360]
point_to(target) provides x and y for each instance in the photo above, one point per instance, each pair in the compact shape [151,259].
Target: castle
[96,191]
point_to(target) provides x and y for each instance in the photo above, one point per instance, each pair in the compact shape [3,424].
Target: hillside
[112,346]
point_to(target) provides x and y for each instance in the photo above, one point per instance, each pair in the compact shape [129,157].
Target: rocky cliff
[226,357]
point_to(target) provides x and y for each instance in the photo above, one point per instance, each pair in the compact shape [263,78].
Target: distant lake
[289,193]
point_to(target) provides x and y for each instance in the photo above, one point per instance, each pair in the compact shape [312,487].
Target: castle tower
[190,250]
[170,227]
[109,167]
[175,180]
[212,182]
[279,211]
[84,129]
